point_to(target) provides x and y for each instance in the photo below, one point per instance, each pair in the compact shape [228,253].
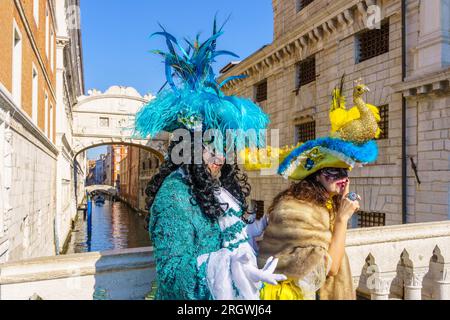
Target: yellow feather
[375,111]
[378,134]
[257,159]
[341,117]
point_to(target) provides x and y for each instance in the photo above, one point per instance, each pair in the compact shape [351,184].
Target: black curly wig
[202,184]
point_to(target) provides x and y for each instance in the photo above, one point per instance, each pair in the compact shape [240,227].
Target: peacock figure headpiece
[194,99]
[350,144]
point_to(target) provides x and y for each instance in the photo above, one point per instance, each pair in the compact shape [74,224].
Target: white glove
[265,274]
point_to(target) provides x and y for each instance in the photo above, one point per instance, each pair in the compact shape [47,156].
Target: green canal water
[114,226]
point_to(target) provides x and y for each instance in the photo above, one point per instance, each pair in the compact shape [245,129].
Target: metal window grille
[104,122]
[301,4]
[261,91]
[306,71]
[372,43]
[305,131]
[371,219]
[384,123]
[259,206]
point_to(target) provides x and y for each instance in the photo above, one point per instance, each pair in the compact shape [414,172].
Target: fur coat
[299,234]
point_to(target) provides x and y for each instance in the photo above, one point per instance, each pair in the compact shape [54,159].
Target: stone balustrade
[410,262]
[118,275]
[397,262]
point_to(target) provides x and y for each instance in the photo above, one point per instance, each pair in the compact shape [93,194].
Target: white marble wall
[3,248]
[433,46]
[117,275]
[28,191]
[32,198]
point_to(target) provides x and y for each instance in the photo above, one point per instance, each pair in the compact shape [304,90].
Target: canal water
[114,226]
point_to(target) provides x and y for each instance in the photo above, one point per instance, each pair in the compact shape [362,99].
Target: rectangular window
[306,72]
[371,219]
[46,115]
[47,31]
[372,43]
[302,4]
[51,123]
[305,132]
[257,207]
[17,66]
[52,49]
[34,95]
[104,122]
[261,91]
[384,123]
[36,11]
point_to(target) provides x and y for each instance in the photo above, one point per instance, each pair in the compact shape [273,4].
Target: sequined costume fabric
[195,256]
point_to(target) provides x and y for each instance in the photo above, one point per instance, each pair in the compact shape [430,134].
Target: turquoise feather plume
[197,94]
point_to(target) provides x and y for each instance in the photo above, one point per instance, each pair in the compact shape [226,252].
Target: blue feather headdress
[197,101]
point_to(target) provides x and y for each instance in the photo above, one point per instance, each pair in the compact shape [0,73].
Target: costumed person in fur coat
[199,222]
[308,221]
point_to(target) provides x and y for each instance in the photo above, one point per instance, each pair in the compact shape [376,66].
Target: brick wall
[10,12]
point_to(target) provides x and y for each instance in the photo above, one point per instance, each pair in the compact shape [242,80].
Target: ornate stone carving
[348,14]
[413,278]
[380,286]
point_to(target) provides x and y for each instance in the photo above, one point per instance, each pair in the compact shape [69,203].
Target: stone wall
[429,147]
[28,186]
[379,185]
[117,275]
[33,54]
[328,29]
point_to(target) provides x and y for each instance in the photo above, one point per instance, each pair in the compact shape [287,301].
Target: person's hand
[265,274]
[348,207]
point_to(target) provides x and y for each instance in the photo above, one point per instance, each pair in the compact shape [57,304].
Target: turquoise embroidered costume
[180,233]
[198,259]
[203,250]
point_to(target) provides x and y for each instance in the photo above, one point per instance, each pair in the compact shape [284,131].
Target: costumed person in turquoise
[308,221]
[199,222]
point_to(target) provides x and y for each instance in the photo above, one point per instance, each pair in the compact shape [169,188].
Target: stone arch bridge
[102,188]
[107,119]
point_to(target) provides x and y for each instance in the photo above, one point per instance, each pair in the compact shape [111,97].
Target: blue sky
[116,41]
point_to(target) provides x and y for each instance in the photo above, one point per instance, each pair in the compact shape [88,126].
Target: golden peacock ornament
[358,124]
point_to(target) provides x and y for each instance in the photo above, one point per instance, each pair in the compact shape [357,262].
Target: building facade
[129,177]
[27,120]
[39,80]
[148,167]
[71,172]
[315,43]
[108,167]
[136,170]
[90,169]
[100,174]
[119,152]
